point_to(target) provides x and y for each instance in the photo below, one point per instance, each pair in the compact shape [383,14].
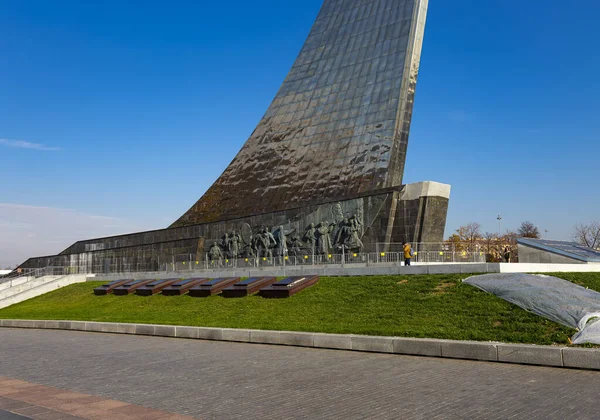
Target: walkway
[218,380]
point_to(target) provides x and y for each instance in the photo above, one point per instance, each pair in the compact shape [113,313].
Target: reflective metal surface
[339,125]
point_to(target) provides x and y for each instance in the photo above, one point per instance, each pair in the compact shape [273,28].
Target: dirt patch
[402,282]
[497,324]
[443,288]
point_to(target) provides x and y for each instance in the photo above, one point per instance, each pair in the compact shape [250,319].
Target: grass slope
[430,306]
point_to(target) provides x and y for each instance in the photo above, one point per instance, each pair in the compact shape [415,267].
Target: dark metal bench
[182,287]
[154,287]
[288,287]
[108,288]
[248,286]
[212,287]
[131,287]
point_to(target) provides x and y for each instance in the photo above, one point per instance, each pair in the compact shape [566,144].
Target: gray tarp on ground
[553,298]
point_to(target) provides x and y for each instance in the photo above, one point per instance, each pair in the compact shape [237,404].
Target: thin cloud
[21,144]
[29,231]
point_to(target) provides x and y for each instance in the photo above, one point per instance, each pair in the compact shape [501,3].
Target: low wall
[40,286]
[555,356]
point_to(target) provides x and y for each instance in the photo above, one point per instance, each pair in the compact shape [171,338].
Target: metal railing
[30,274]
[390,254]
[190,262]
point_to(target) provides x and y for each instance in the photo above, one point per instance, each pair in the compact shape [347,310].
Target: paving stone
[221,380]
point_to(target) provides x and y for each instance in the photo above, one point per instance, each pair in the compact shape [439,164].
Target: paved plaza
[220,380]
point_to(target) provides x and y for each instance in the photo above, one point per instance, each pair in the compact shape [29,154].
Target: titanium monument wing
[338,127]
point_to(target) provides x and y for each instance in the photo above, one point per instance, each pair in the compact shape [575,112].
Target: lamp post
[499,218]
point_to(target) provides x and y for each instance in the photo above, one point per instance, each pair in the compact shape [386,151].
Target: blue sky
[117,116]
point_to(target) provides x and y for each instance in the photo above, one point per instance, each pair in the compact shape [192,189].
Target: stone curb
[566,357]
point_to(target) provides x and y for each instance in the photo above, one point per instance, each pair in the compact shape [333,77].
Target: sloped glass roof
[567,249]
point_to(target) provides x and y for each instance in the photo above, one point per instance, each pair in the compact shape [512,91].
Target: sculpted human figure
[214,253]
[295,245]
[235,242]
[271,242]
[324,238]
[356,223]
[281,239]
[343,234]
[249,251]
[310,237]
[355,227]
[262,243]
[225,243]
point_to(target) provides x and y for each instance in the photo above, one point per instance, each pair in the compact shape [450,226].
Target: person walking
[408,254]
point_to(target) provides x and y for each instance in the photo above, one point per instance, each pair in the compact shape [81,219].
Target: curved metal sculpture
[338,127]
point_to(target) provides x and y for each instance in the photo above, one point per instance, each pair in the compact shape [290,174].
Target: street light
[499,218]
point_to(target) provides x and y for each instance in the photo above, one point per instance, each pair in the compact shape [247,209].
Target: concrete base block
[52,325]
[530,355]
[240,336]
[474,268]
[164,331]
[332,341]
[144,329]
[581,358]
[37,324]
[445,269]
[373,344]
[18,323]
[210,334]
[64,325]
[265,337]
[105,327]
[126,328]
[186,332]
[418,347]
[77,325]
[296,339]
[470,350]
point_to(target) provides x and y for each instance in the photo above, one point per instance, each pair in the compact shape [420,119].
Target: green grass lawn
[433,306]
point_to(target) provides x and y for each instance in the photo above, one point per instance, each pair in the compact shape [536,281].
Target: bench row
[230,287]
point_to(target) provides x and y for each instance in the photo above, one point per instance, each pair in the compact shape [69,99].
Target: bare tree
[470,233]
[587,235]
[529,230]
[490,239]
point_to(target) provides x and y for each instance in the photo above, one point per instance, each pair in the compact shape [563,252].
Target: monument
[323,171]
